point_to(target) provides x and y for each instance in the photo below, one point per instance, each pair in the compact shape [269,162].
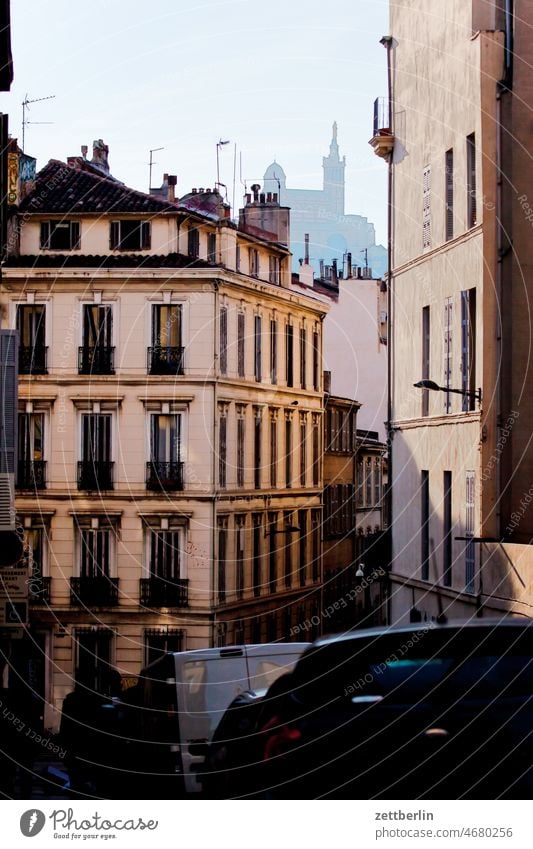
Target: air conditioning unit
[383,317]
[7,501]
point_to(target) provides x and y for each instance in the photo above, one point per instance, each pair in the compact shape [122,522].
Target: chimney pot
[248,198]
[255,190]
[84,149]
[172,179]
[262,197]
[269,197]
[195,191]
[274,197]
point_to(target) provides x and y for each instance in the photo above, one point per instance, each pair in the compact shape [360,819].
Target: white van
[184,695]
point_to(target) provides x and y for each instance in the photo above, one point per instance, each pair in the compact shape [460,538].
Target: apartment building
[455,133]
[170,424]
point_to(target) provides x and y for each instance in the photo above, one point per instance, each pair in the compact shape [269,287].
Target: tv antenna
[151,164]
[25,107]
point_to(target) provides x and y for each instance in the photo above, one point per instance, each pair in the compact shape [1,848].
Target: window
[164,554]
[368,482]
[257,348]
[165,467]
[31,326]
[302,548]
[257,447]
[60,235]
[377,481]
[34,561]
[424,523]
[448,193]
[95,559]
[222,558]
[241,444]
[468,348]
[239,555]
[448,314]
[93,658]
[316,361]
[253,259]
[289,365]
[30,463]
[425,357]
[274,269]
[303,358]
[222,447]
[471,210]
[237,258]
[129,235]
[273,351]
[193,242]
[287,521]
[166,354]
[273,447]
[272,551]
[95,470]
[223,356]
[426,207]
[316,547]
[316,449]
[96,356]
[303,449]
[240,344]
[257,520]
[288,450]
[447,531]
[470,552]
[159,641]
[211,247]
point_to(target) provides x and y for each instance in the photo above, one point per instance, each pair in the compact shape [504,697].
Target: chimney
[172,181]
[100,155]
[306,238]
[267,220]
[322,269]
[348,265]
[84,150]
[334,273]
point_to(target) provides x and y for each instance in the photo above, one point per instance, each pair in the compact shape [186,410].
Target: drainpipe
[387,42]
[214,456]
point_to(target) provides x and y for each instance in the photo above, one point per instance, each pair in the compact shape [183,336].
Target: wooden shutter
[114,235]
[9,395]
[257,341]
[449,194]
[145,235]
[75,235]
[45,234]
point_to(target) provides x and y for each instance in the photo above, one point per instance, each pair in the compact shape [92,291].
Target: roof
[60,188]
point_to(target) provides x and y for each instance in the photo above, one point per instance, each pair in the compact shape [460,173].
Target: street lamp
[430,384]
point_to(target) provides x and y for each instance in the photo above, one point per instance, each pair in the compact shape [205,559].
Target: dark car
[428,711]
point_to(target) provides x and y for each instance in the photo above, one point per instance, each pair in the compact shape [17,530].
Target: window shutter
[145,235]
[45,234]
[114,234]
[9,394]
[449,194]
[75,235]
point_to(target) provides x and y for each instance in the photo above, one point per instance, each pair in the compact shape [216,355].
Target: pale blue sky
[270,76]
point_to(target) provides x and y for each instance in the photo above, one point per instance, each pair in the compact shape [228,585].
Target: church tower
[334,168]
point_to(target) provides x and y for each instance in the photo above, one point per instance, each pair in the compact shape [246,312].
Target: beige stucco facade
[236,485]
[451,320]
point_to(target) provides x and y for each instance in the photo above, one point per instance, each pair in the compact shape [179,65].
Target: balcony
[164,477]
[39,590]
[33,359]
[98,591]
[159,592]
[95,474]
[96,360]
[31,474]
[382,140]
[164,360]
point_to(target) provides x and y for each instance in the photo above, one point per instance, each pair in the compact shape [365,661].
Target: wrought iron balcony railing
[96,360]
[39,590]
[33,359]
[31,474]
[95,474]
[162,476]
[165,360]
[160,592]
[97,591]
